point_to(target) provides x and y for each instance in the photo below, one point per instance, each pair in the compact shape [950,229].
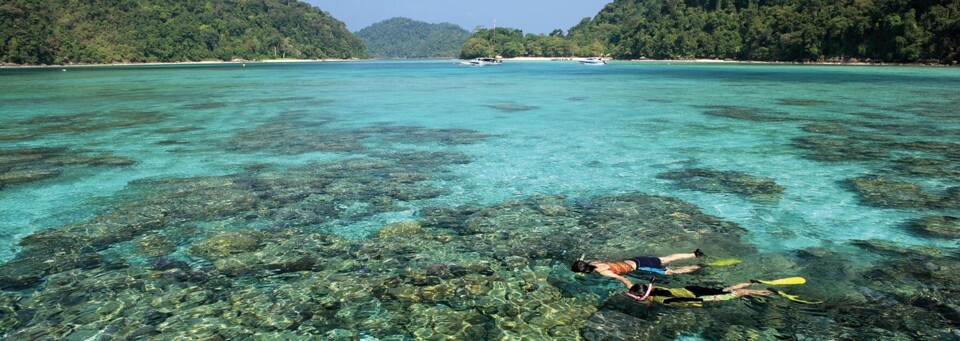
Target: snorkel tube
[580,274]
[645,295]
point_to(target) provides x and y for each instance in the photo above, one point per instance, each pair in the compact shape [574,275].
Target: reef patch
[716,181]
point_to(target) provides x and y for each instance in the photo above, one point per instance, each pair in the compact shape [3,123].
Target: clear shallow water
[547,129]
[588,130]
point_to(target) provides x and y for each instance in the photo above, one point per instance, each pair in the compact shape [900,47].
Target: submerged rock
[938,226]
[822,148]
[715,181]
[951,198]
[29,269]
[913,166]
[422,135]
[19,166]
[833,129]
[891,248]
[176,130]
[883,192]
[286,137]
[228,243]
[155,245]
[116,161]
[165,263]
[21,176]
[878,297]
[16,136]
[512,107]
[801,102]
[745,113]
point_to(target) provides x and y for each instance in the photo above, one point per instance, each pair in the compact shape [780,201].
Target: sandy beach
[204,62]
[515,59]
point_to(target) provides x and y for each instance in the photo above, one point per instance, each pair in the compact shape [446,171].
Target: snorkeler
[694,296]
[655,265]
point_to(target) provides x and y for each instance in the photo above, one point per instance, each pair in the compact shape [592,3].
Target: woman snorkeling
[693,296]
[655,265]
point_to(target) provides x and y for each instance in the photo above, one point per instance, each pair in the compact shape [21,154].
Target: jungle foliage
[102,31]
[766,30]
[408,38]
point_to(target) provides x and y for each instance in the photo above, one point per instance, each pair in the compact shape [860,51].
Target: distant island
[408,38]
[35,32]
[791,31]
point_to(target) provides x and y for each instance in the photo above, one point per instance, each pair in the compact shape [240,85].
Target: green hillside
[763,30]
[407,38]
[103,31]
[777,30]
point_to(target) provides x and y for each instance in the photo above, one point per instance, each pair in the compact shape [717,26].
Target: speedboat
[593,61]
[484,62]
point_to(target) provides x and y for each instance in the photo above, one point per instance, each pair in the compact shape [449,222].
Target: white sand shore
[516,59]
[204,62]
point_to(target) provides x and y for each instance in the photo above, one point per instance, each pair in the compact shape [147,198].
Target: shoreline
[514,59]
[722,61]
[202,62]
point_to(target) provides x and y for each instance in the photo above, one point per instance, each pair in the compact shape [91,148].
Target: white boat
[593,61]
[484,62]
[487,61]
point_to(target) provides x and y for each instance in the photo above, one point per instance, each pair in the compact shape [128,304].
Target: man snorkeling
[655,265]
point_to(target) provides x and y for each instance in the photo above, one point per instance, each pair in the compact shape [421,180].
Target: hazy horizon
[534,16]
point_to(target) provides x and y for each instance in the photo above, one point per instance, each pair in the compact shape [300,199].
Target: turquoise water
[520,132]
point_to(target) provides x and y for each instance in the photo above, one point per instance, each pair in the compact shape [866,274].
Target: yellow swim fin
[795,298]
[783,281]
[724,262]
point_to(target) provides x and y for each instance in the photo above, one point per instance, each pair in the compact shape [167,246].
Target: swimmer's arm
[608,273]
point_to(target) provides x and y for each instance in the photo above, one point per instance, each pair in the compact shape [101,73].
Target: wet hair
[582,267]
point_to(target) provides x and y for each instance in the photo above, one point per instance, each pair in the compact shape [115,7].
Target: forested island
[47,32]
[408,38]
[35,32]
[776,30]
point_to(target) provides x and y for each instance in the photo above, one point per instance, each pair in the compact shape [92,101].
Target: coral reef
[833,129]
[288,137]
[745,113]
[924,167]
[267,266]
[801,102]
[883,192]
[294,134]
[16,136]
[19,166]
[716,181]
[84,122]
[511,107]
[421,135]
[937,226]
[454,272]
[821,148]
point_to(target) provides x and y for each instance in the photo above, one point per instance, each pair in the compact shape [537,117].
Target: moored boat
[593,61]
[484,62]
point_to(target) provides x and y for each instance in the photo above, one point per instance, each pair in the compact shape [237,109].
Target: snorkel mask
[580,259]
[645,295]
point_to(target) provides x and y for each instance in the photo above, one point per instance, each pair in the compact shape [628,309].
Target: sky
[531,16]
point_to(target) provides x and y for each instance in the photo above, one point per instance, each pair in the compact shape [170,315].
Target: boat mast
[496,55]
